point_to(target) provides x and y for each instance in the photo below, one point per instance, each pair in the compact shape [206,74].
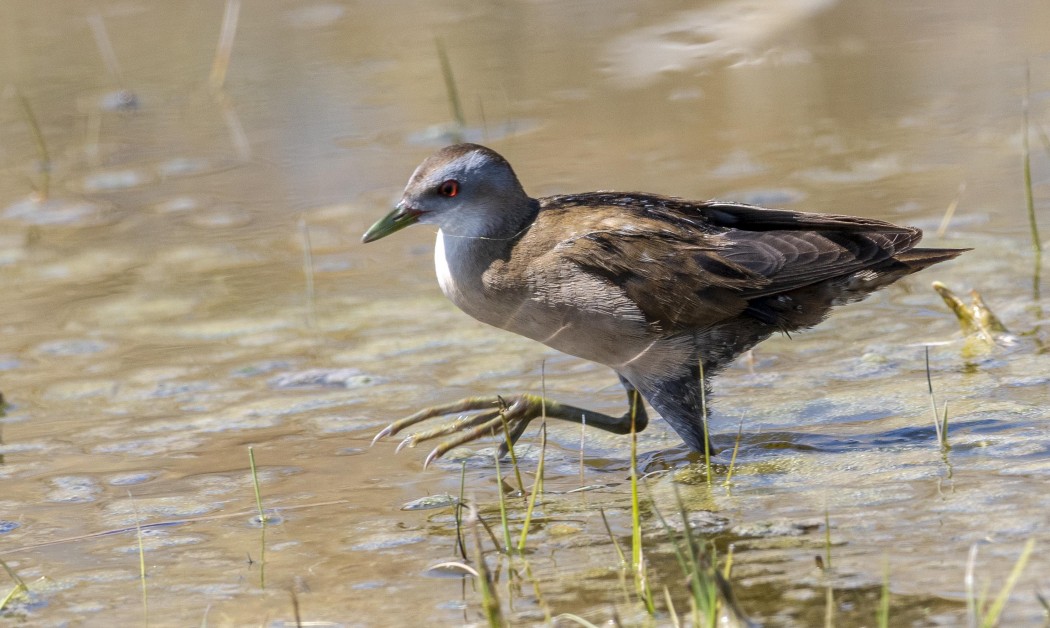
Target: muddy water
[160,315]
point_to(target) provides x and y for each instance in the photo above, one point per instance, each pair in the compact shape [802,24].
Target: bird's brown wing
[695,265]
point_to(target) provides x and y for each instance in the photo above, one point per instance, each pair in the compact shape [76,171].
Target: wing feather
[694,265]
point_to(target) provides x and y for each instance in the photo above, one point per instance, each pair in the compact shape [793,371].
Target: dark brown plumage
[646,284]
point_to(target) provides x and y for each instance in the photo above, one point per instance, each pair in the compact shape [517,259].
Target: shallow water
[161,318]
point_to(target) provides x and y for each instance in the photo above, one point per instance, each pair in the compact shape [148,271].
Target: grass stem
[732,460]
[20,586]
[489,600]
[1033,225]
[991,617]
[502,507]
[703,416]
[537,488]
[262,518]
[41,144]
[940,425]
[451,90]
[224,49]
[882,613]
[459,511]
[142,561]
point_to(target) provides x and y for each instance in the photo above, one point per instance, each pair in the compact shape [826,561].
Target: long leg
[679,402]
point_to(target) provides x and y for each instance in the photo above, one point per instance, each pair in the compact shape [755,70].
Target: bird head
[467,190]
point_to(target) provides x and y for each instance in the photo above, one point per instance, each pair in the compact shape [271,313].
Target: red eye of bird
[449,188]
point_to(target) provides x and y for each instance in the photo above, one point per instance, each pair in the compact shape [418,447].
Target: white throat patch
[444,273]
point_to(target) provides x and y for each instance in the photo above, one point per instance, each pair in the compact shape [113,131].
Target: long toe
[470,404]
[491,428]
[462,424]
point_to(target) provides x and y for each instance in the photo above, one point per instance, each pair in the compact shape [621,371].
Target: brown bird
[651,286]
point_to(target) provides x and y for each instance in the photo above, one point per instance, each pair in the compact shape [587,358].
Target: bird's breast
[460,265]
[567,310]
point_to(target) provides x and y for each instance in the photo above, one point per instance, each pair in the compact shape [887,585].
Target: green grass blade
[537,488]
[991,618]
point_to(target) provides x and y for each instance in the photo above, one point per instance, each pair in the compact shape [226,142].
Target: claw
[381,435]
[408,442]
[432,456]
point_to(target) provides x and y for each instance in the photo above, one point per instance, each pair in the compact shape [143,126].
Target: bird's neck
[461,261]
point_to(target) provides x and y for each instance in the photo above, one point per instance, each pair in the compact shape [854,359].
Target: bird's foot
[479,417]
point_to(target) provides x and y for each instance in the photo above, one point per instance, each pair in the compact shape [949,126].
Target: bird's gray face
[466,192]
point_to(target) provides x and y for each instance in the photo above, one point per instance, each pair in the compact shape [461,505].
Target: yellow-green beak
[401,217]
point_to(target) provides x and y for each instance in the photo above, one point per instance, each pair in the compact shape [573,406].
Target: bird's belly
[601,337]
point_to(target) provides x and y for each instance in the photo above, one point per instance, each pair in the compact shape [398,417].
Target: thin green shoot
[636,522]
[459,511]
[641,582]
[1039,596]
[683,556]
[708,588]
[583,436]
[827,539]
[255,485]
[489,600]
[703,416]
[939,425]
[882,613]
[262,518]
[142,561]
[19,588]
[1033,225]
[950,211]
[11,595]
[732,460]
[221,62]
[542,603]
[488,529]
[502,507]
[509,440]
[612,537]
[727,569]
[944,423]
[41,145]
[991,616]
[829,604]
[829,593]
[451,91]
[670,608]
[688,562]
[238,137]
[537,488]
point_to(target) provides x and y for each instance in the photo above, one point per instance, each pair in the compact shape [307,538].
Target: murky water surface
[158,319]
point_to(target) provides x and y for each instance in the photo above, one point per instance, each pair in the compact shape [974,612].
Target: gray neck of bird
[498,227]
